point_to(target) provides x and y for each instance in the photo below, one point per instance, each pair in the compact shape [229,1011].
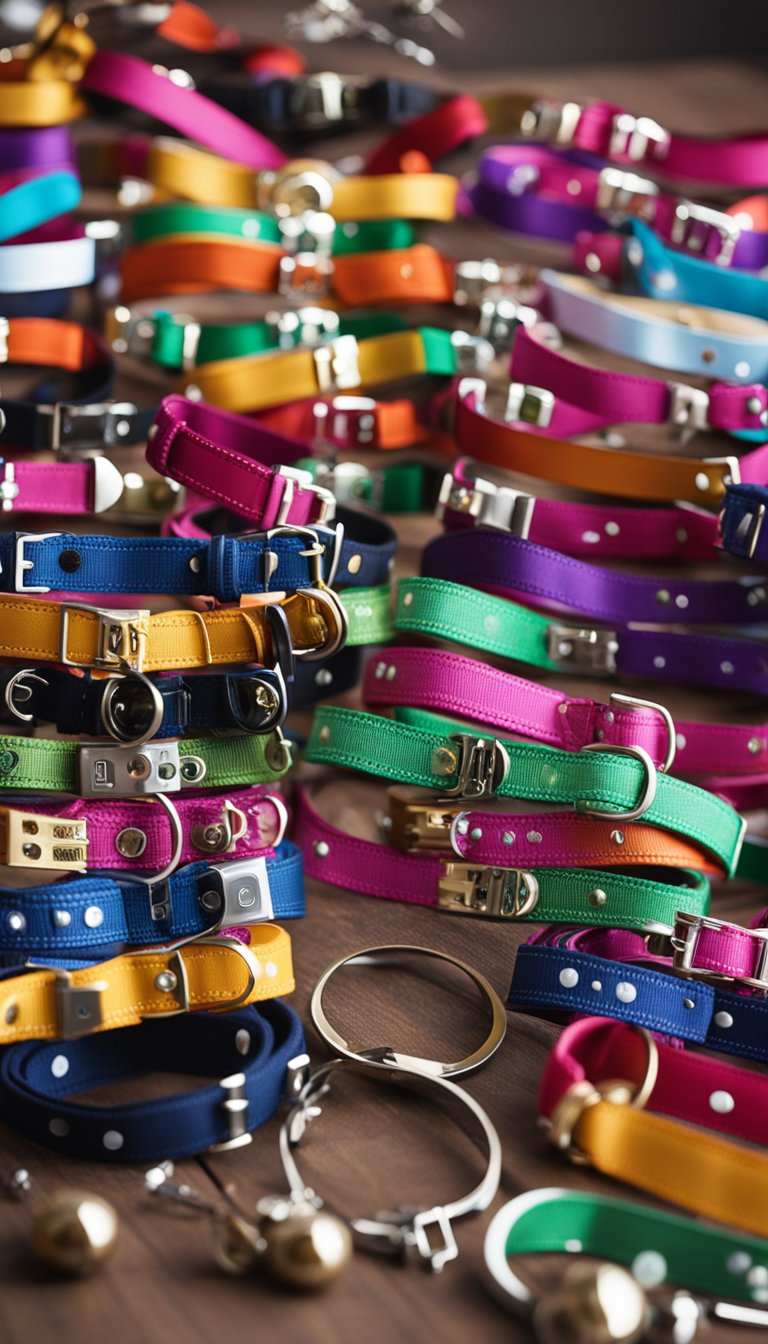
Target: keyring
[386,1054]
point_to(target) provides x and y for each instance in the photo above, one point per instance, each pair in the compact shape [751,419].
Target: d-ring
[646,797]
[385,1054]
[327,598]
[135,684]
[178,844]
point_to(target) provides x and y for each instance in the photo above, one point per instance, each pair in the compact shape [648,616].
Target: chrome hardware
[495,893]
[134,333]
[126,698]
[142,496]
[236,893]
[497,506]
[295,479]
[126,771]
[581,647]
[220,837]
[235,1108]
[22,564]
[626,193]
[480,765]
[120,638]
[32,840]
[647,794]
[315,549]
[9,488]
[94,425]
[688,407]
[296,1077]
[633,137]
[473,353]
[477,280]
[107,484]
[691,226]
[336,365]
[344,421]
[688,928]
[296,189]
[352,483]
[108,241]
[413,824]
[17,687]
[633,702]
[532,405]
[551,121]
[303,326]
[306,275]
[258,701]
[732,476]
[318,101]
[5,329]
[78,1007]
[752,537]
[180,78]
[500,320]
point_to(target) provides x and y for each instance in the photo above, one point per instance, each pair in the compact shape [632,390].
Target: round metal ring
[177,834]
[634,702]
[154,709]
[649,788]
[385,1054]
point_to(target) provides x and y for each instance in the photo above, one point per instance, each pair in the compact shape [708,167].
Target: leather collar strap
[704,1259]
[613,532]
[586,399]
[629,475]
[108,833]
[106,769]
[57,263]
[91,419]
[543,893]
[127,79]
[189,265]
[741,521]
[467,765]
[83,636]
[36,201]
[496,625]
[624,1132]
[342,365]
[538,191]
[59,487]
[213,974]
[252,1050]
[32,103]
[507,564]
[665,334]
[638,260]
[448,683]
[107,910]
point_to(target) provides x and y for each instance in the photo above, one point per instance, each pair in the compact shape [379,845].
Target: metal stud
[61,919]
[444,761]
[476,833]
[15,921]
[131,842]
[617,837]
[321,849]
[597,897]
[166,982]
[243,1041]
[701,480]
[354,563]
[390,673]
[508,838]
[323,677]
[753,405]
[93,917]
[689,1003]
[681,601]
[324,733]
[407,599]
[11,1012]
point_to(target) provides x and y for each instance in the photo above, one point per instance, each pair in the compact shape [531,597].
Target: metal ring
[634,702]
[107,708]
[385,1054]
[178,844]
[649,790]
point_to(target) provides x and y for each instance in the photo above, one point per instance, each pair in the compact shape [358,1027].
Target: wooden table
[367,1151]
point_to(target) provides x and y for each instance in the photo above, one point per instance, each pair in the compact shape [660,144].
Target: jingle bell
[238,1246]
[600,1304]
[76,1233]
[304,1247]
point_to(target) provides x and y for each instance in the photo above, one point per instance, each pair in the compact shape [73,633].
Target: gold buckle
[120,642]
[581,1096]
[417,823]
[30,840]
[494,893]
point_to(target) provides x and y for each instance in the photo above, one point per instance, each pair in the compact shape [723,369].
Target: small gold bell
[76,1233]
[304,1247]
[594,1304]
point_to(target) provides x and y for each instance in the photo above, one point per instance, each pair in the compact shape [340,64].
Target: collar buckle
[336,366]
[297,479]
[626,193]
[130,333]
[529,405]
[692,225]
[316,102]
[551,121]
[302,326]
[500,319]
[120,640]
[473,353]
[412,823]
[477,280]
[638,138]
[78,1007]
[582,647]
[688,407]
[236,893]
[490,505]
[494,893]
[479,763]
[22,564]
[33,840]
[688,928]
[344,421]
[92,425]
[127,771]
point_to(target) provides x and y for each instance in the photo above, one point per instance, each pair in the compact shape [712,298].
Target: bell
[237,1245]
[594,1304]
[304,1247]
[76,1233]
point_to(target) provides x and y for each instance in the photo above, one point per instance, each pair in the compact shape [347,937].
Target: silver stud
[597,985]
[617,837]
[166,982]
[325,733]
[61,919]
[11,1012]
[15,921]
[738,1263]
[113,1140]
[681,535]
[562,708]
[754,405]
[476,833]
[59,1066]
[689,1003]
[681,601]
[407,599]
[151,432]
[722,1102]
[243,1041]
[701,480]
[659,661]
[323,677]
[597,897]
[131,842]
[625,992]
[724,1021]
[681,741]
[508,838]
[742,369]
[726,668]
[592,262]
[569,978]
[591,538]
[755,745]
[462,827]
[612,529]
[354,562]
[93,916]
[321,849]
[534,837]
[390,673]
[757,1276]
[379,670]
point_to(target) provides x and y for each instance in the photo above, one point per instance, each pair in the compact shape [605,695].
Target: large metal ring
[132,682]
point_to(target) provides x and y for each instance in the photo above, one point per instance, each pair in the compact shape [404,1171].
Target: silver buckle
[336,365]
[688,406]
[500,320]
[352,483]
[752,537]
[623,702]
[531,405]
[473,353]
[236,893]
[22,564]
[490,505]
[475,280]
[121,638]
[305,275]
[626,193]
[551,121]
[479,763]
[317,101]
[692,224]
[96,425]
[344,420]
[303,326]
[646,797]
[582,647]
[130,333]
[127,771]
[494,893]
[633,136]
[684,949]
[295,478]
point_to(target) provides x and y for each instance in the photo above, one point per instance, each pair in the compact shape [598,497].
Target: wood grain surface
[370,1149]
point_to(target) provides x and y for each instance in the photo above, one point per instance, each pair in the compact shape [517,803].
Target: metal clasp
[22,564]
[647,792]
[551,121]
[480,765]
[32,840]
[336,365]
[685,940]
[295,479]
[127,771]
[473,353]
[302,326]
[476,280]
[634,136]
[236,893]
[626,193]
[235,1108]
[94,425]
[532,405]
[306,275]
[495,893]
[688,407]
[500,319]
[78,1007]
[412,824]
[491,505]
[343,421]
[120,641]
[317,101]
[693,223]
[582,647]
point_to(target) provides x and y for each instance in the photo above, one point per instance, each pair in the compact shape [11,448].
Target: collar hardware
[494,893]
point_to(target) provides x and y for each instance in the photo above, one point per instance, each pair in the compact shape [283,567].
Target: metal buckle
[176,982]
[297,188]
[137,496]
[413,824]
[473,353]
[125,772]
[95,425]
[336,365]
[317,101]
[316,548]
[108,241]
[573,646]
[127,695]
[475,280]
[494,893]
[31,840]
[22,564]
[500,319]
[17,686]
[253,966]
[130,333]
[497,506]
[634,702]
[646,797]
[236,893]
[626,193]
[9,489]
[221,837]
[235,1108]
[692,224]
[752,537]
[306,275]
[684,949]
[121,638]
[344,421]
[551,121]
[633,137]
[576,1099]
[352,483]
[295,479]
[258,702]
[688,406]
[303,326]
[336,620]
[479,763]
[732,476]
[78,1007]
[531,405]
[107,483]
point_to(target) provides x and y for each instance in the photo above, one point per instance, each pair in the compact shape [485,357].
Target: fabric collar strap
[37,200]
[741,521]
[60,487]
[210,974]
[56,263]
[544,893]
[185,218]
[26,103]
[425,751]
[252,1049]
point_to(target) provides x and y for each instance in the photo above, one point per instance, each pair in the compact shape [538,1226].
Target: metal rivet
[113,1140]
[681,741]
[689,1003]
[476,833]
[625,992]
[321,849]
[569,978]
[444,761]
[659,661]
[390,673]
[508,838]
[270,969]
[70,561]
[597,897]
[60,1066]
[721,1102]
[650,1269]
[15,921]
[11,1011]
[61,919]
[323,677]
[242,1041]
[534,837]
[406,271]
[754,405]
[324,733]
[573,186]
[192,769]
[131,842]
[354,562]
[407,599]
[701,480]
[591,538]
[617,837]
[681,601]
[597,985]
[755,744]
[757,1276]
[210,901]
[58,1127]
[738,1263]
[592,262]
[723,1020]
[742,369]
[562,708]
[194,563]
[662,596]
[93,916]
[166,982]
[379,670]
[726,668]
[612,529]
[462,827]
